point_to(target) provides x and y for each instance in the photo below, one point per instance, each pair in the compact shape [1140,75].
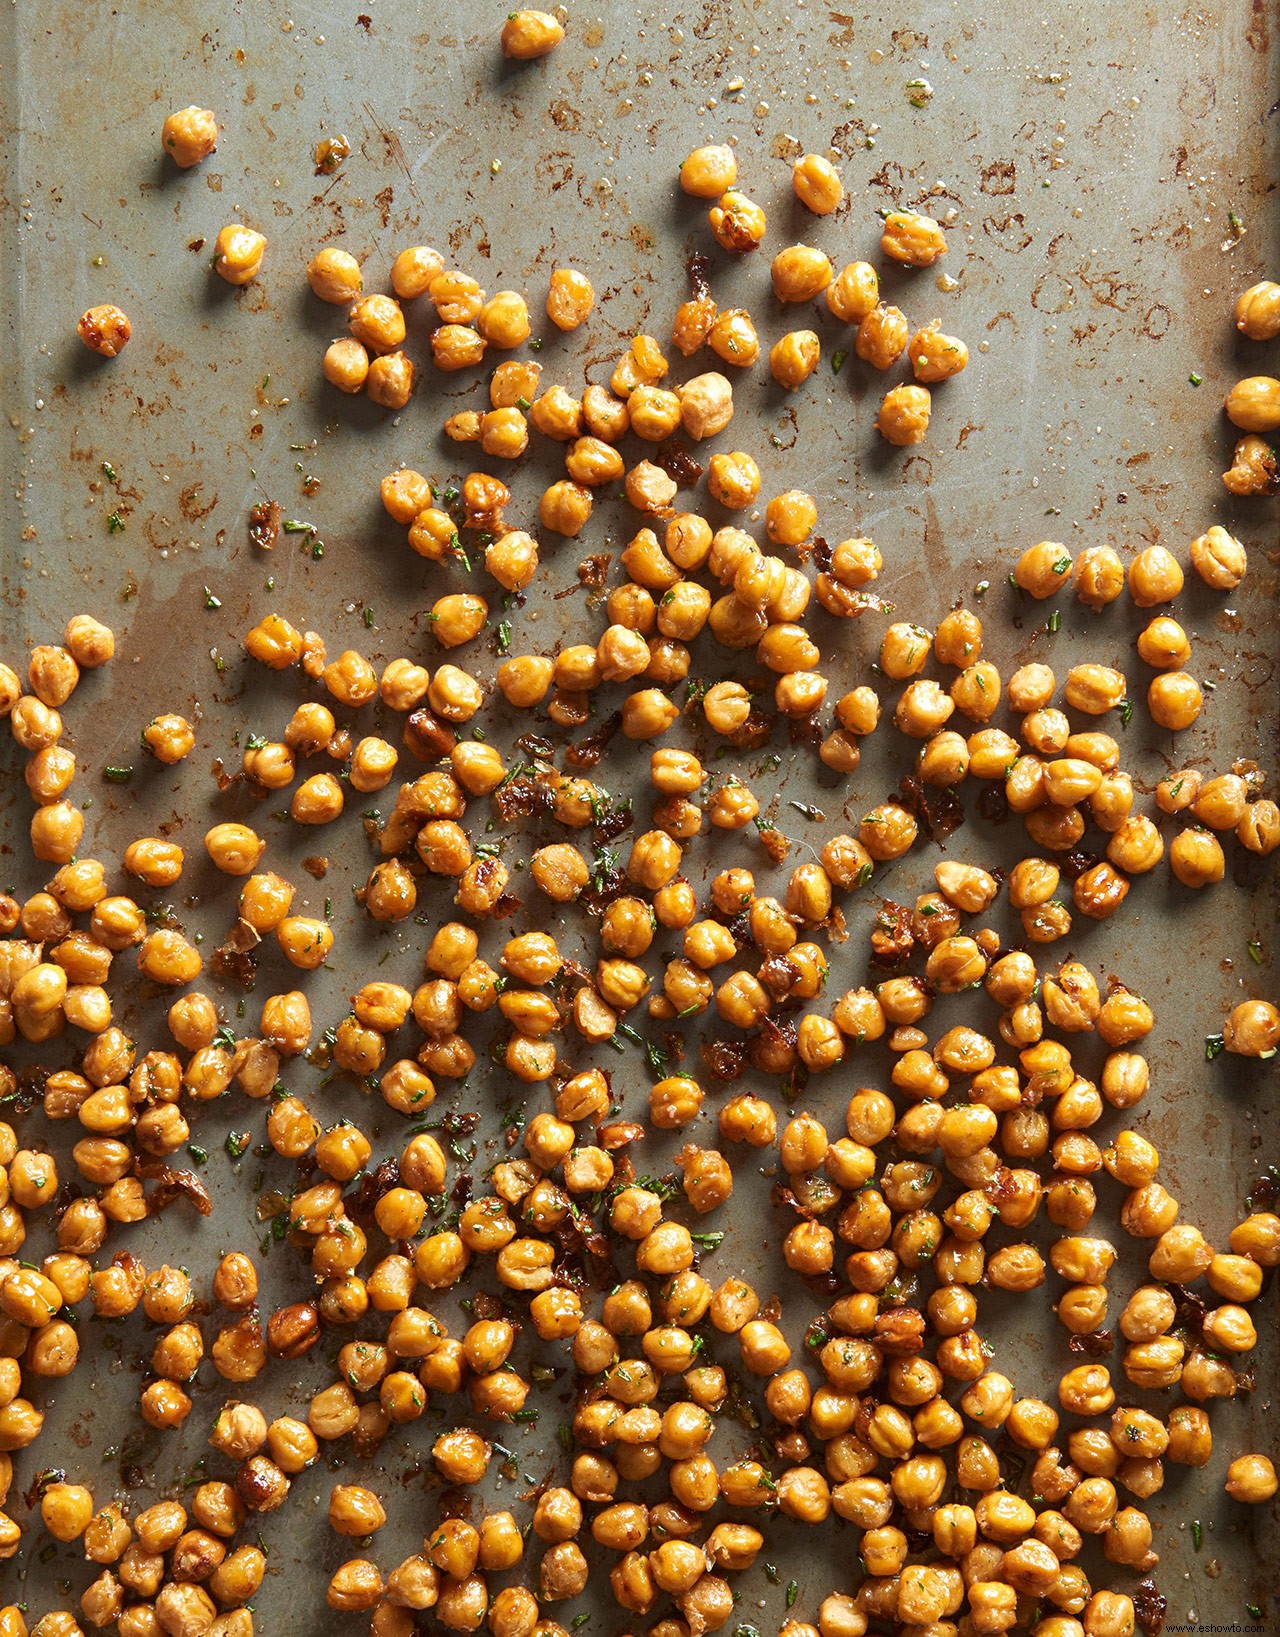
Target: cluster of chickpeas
[803,272]
[371,359]
[1253,405]
[888,1414]
[188,136]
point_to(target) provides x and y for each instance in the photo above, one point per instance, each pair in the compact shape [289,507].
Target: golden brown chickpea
[565,508]
[1258,311]
[1254,404]
[105,329]
[1174,700]
[1253,469]
[190,135]
[1164,644]
[708,172]
[169,738]
[528,34]
[1219,559]
[1251,1479]
[346,364]
[882,337]
[794,357]
[334,276]
[1042,570]
[1253,1029]
[238,253]
[935,356]
[389,382]
[1196,858]
[800,273]
[733,479]
[1154,577]
[912,239]
[738,226]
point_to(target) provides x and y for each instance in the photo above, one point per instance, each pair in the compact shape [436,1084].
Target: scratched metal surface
[1087,167]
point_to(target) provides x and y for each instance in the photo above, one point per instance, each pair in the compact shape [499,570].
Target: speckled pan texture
[1104,176]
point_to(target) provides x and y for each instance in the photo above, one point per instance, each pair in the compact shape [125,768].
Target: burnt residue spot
[592,570]
[587,752]
[384,199]
[679,465]
[1000,176]
[264,524]
[1009,232]
[1093,1344]
[938,812]
[365,22]
[696,268]
[190,505]
[565,118]
[1149,1608]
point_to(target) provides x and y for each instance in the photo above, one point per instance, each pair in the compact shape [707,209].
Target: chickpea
[413,271]
[334,276]
[708,172]
[1258,311]
[1196,858]
[1253,469]
[389,382]
[882,337]
[565,508]
[105,329]
[1094,689]
[1254,404]
[1253,1029]
[1219,559]
[1154,577]
[1251,1479]
[346,365]
[190,135]
[238,253]
[1164,644]
[912,239]
[169,738]
[934,356]
[738,225]
[800,273]
[794,357]
[733,479]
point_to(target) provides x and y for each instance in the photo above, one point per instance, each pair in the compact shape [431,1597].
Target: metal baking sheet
[1105,176]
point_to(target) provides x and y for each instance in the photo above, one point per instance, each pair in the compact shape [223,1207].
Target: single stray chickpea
[104,329]
[816,183]
[190,135]
[529,34]
[570,298]
[239,252]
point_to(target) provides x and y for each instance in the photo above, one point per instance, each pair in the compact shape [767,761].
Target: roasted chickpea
[738,225]
[912,239]
[238,253]
[709,171]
